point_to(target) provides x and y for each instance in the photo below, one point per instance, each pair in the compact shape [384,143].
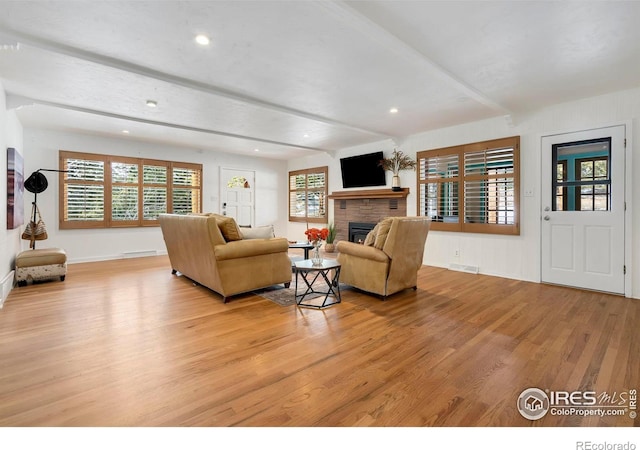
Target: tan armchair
[389,260]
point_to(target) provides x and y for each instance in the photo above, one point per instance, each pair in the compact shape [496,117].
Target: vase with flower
[315,237]
[398,161]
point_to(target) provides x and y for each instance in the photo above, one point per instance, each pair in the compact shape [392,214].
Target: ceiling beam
[10,35]
[17,101]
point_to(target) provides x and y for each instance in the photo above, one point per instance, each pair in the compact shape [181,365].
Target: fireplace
[358,231]
[368,206]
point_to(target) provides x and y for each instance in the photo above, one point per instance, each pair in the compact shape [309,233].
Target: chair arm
[361,251]
[250,247]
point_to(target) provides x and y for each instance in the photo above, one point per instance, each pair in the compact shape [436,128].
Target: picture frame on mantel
[15,189]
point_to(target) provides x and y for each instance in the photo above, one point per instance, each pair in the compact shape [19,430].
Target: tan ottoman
[40,264]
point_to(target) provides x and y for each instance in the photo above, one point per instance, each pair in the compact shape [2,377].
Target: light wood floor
[125,343]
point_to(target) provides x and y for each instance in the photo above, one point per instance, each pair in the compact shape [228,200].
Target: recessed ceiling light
[256,149]
[203,39]
[305,136]
[152,103]
[393,110]
[125,131]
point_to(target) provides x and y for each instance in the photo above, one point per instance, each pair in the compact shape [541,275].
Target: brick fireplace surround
[369,206]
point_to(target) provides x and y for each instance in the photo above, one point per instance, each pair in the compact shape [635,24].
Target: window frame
[462,225]
[108,184]
[565,191]
[324,194]
[578,188]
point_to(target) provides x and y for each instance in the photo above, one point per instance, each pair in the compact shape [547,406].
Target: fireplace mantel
[369,193]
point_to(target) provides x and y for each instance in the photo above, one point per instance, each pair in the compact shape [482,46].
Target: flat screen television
[362,171]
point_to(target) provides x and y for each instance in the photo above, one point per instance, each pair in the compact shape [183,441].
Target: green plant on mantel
[398,161]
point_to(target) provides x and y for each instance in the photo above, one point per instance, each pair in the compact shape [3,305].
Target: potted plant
[330,247]
[398,161]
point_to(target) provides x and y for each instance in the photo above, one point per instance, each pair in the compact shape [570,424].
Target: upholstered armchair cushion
[371,236]
[382,233]
[250,247]
[264,232]
[228,227]
[362,251]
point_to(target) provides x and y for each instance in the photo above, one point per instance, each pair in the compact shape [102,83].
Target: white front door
[583,232]
[237,199]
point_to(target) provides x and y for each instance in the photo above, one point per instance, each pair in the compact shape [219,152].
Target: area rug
[286,296]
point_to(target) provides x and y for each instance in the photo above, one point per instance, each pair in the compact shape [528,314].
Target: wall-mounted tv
[362,171]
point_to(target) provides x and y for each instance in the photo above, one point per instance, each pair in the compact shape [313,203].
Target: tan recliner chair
[387,263]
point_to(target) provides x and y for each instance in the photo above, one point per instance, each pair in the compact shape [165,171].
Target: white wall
[10,136]
[515,257]
[41,151]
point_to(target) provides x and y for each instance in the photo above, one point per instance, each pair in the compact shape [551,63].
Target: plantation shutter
[297,195]
[439,186]
[472,188]
[186,196]
[489,186]
[308,195]
[83,191]
[154,190]
[100,191]
[124,192]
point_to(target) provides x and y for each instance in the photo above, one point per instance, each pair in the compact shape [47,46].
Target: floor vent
[464,268]
[6,285]
[140,254]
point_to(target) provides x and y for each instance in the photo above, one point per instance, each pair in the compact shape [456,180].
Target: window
[591,172]
[582,178]
[102,191]
[472,188]
[308,195]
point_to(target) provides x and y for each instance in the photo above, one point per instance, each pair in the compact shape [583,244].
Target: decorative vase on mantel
[395,183]
[398,161]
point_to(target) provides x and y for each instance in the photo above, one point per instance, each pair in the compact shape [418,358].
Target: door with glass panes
[583,209]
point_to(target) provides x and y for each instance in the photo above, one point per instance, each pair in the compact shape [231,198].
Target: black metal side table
[303,245]
[310,274]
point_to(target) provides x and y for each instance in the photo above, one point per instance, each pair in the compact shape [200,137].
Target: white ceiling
[294,78]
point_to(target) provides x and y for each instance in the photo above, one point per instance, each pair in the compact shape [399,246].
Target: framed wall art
[15,189]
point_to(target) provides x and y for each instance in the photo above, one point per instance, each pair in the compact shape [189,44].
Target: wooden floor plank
[126,343]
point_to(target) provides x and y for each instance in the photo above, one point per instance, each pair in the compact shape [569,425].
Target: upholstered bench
[40,264]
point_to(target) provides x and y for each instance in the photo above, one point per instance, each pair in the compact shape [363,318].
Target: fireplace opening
[358,231]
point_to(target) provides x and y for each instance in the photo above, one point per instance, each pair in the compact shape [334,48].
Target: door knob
[547,218]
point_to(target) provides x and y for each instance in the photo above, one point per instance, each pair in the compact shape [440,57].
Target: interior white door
[238,189]
[583,227]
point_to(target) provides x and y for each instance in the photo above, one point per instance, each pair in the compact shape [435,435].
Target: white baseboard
[464,268]
[6,285]
[120,256]
[140,254]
